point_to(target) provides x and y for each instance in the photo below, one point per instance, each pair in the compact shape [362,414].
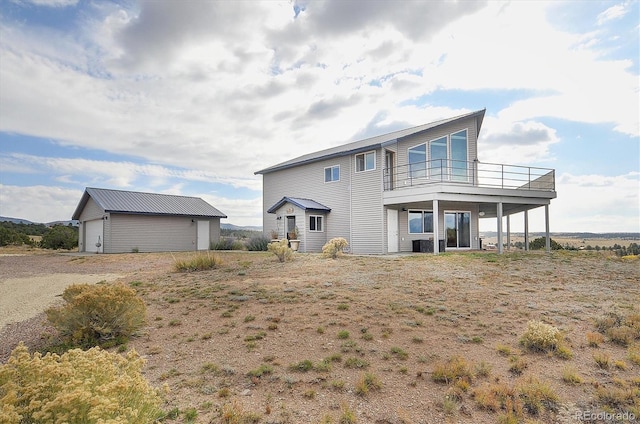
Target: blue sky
[193,97]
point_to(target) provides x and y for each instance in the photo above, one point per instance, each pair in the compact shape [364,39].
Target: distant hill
[624,236]
[240,228]
[75,223]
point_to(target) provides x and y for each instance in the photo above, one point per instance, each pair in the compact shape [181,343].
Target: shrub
[79,386]
[227,244]
[334,247]
[199,262]
[541,337]
[60,237]
[281,249]
[96,314]
[454,369]
[258,244]
[541,243]
[366,382]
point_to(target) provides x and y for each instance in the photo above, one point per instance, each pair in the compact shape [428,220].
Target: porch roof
[304,204]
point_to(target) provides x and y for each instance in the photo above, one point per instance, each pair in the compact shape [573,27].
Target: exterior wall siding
[90,212]
[150,233]
[308,182]
[368,223]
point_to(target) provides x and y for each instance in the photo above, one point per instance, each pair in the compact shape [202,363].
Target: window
[331,174]
[420,222]
[418,161]
[438,163]
[315,223]
[459,156]
[365,161]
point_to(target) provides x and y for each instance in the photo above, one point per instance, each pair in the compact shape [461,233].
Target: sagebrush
[334,247]
[92,386]
[281,249]
[199,262]
[98,314]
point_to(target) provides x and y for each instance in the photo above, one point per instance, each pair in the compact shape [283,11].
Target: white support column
[436,220]
[546,228]
[499,213]
[526,230]
[508,232]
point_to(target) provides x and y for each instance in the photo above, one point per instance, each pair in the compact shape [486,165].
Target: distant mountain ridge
[75,223]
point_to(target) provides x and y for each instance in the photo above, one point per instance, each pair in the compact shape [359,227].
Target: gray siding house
[115,221]
[418,189]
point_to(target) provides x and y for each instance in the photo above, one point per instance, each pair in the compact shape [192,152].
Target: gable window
[420,222]
[331,174]
[315,223]
[365,161]
[418,161]
[438,153]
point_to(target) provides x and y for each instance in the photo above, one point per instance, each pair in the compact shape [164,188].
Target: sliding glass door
[458,229]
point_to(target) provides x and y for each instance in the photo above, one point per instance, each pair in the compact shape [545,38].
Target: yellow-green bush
[334,247]
[281,249]
[98,314]
[541,337]
[92,386]
[199,262]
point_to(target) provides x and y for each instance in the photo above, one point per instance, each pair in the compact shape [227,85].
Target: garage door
[93,237]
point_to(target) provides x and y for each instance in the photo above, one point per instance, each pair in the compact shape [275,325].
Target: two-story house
[422,188]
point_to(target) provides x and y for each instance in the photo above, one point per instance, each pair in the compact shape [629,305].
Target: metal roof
[133,202]
[304,204]
[369,143]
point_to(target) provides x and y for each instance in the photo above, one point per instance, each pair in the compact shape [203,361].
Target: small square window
[420,222]
[315,223]
[332,174]
[365,161]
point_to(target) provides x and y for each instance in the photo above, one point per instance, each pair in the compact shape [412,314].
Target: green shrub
[541,243]
[60,237]
[258,244]
[98,314]
[334,247]
[456,368]
[199,262]
[227,244]
[281,249]
[92,386]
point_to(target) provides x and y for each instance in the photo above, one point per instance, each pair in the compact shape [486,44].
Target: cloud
[52,3]
[38,203]
[614,12]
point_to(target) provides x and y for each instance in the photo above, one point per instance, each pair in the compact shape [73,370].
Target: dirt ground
[394,317]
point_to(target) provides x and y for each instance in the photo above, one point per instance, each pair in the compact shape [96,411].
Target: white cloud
[51,3]
[38,203]
[614,12]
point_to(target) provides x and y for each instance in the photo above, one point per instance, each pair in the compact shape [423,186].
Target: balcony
[474,174]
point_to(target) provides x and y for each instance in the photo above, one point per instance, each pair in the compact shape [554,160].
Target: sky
[193,97]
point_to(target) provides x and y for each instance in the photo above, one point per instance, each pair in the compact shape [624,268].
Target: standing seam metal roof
[367,144]
[133,202]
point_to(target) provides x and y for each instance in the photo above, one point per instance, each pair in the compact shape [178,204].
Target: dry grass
[407,319]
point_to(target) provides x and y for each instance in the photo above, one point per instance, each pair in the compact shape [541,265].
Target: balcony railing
[479,174]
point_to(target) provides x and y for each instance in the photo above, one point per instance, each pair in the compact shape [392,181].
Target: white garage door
[93,237]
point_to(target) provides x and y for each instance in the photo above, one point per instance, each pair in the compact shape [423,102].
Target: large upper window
[365,161]
[420,222]
[418,161]
[459,158]
[332,173]
[438,157]
[315,223]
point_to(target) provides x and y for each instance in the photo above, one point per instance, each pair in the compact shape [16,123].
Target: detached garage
[116,221]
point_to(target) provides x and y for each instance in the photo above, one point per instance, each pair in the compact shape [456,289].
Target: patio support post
[546,228]
[499,213]
[526,231]
[508,232]
[436,220]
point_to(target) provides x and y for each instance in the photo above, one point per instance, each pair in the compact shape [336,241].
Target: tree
[541,243]
[60,237]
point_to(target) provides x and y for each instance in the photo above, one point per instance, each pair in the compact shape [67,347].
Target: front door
[291,224]
[457,229]
[392,230]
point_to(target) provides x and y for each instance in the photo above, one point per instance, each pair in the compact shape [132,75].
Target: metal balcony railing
[478,174]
